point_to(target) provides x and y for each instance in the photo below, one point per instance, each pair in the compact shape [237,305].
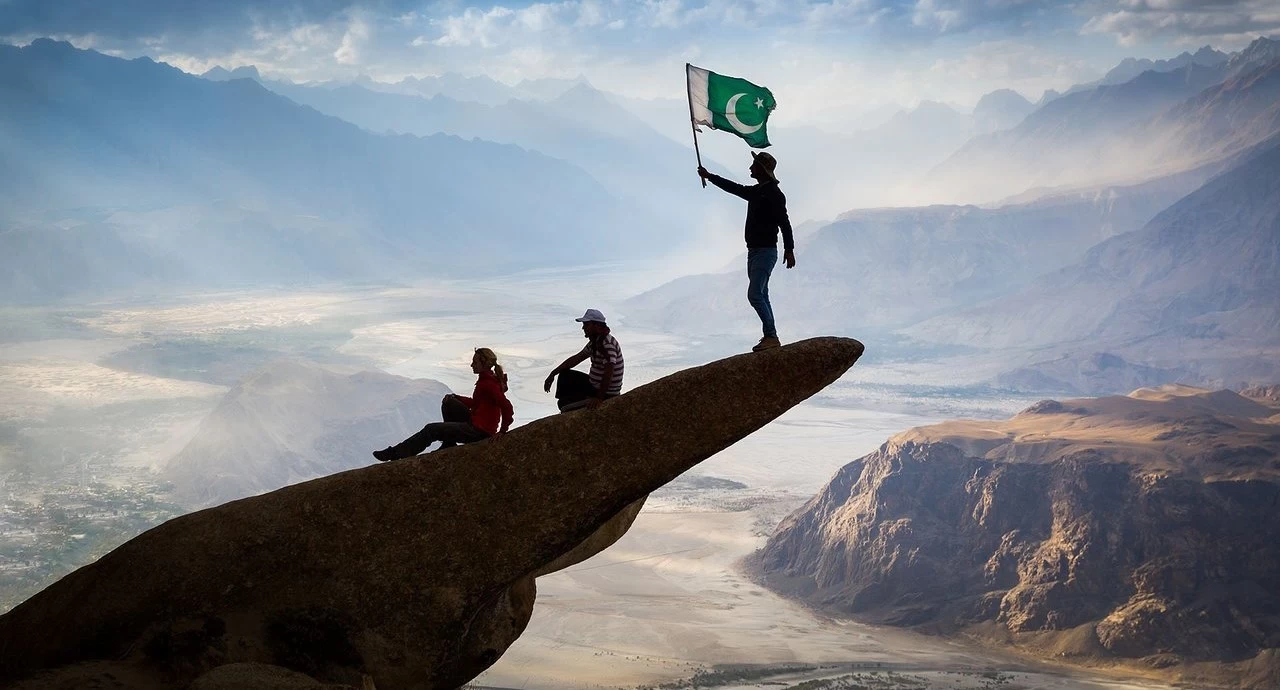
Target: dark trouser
[456,428]
[574,389]
[760,263]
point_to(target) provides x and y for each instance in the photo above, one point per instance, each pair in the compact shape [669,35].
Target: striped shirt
[607,351]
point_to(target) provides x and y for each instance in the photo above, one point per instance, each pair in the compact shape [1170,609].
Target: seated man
[576,389]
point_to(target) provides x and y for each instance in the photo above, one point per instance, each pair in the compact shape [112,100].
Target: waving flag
[729,104]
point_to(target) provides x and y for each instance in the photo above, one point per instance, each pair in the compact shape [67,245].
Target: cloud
[472,27]
[925,18]
[1014,64]
[136,19]
[831,55]
[1226,22]
[500,25]
[357,34]
[946,16]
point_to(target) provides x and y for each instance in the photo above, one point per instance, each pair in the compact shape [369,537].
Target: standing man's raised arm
[729,186]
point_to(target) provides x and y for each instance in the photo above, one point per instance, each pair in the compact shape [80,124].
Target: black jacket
[766,212]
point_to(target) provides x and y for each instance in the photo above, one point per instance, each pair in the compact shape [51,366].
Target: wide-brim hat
[767,163]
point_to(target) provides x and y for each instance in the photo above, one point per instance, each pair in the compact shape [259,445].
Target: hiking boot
[385,454]
[767,343]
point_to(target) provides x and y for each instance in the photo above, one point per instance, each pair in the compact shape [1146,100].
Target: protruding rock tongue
[419,572]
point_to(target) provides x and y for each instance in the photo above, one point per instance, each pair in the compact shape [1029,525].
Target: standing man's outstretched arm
[729,186]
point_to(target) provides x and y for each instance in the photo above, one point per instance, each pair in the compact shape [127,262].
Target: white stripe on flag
[698,95]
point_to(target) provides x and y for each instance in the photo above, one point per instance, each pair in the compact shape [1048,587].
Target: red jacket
[488,404]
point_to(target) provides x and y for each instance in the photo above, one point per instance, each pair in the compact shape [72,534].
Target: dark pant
[574,389]
[760,263]
[456,428]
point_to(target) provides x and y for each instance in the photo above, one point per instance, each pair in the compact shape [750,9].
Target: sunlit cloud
[1227,23]
[829,55]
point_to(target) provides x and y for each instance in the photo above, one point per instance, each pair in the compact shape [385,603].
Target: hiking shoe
[767,344]
[385,454]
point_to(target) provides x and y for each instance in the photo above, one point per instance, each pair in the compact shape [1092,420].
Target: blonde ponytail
[490,360]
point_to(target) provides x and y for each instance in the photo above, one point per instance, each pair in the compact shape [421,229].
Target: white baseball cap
[591,315]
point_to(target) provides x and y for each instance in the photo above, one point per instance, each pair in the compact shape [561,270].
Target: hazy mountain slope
[827,171]
[886,268]
[581,126]
[1230,117]
[87,130]
[292,421]
[1196,287]
[1149,125]
[1064,142]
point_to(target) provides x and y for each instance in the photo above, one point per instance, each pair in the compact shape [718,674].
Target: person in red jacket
[485,414]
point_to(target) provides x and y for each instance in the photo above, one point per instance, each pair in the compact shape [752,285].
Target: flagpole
[693,125]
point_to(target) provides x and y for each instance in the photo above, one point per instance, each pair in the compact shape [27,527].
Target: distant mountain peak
[1261,50]
[933,106]
[220,73]
[1207,52]
[1001,99]
[1001,109]
[45,44]
[580,91]
[1130,68]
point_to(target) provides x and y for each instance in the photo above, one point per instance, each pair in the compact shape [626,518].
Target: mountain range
[1113,132]
[95,142]
[1194,291]
[580,125]
[1132,67]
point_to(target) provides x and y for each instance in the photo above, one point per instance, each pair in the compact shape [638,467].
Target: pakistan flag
[729,104]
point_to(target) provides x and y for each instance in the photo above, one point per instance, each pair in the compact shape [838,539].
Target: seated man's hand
[546,385]
[594,402]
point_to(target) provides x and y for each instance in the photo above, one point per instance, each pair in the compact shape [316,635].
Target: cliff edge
[414,574]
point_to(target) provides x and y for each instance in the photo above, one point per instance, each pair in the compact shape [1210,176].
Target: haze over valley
[242,248]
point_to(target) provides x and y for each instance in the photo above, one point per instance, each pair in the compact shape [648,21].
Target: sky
[822,58]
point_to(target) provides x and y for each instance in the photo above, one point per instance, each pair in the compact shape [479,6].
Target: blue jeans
[760,263]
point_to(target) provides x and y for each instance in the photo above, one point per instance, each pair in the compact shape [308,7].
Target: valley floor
[670,605]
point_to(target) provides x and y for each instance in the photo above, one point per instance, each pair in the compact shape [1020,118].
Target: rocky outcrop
[1140,527]
[418,573]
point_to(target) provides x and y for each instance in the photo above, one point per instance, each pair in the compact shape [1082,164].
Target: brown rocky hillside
[1129,529]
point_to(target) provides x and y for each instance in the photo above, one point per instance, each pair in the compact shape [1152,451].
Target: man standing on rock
[576,389]
[766,213]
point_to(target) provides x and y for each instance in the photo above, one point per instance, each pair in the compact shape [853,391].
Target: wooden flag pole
[693,125]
